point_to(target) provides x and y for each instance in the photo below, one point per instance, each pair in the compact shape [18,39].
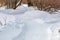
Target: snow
[55,31]
[2,8]
[4,19]
[28,23]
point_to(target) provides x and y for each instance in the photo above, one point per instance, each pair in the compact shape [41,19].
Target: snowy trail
[34,31]
[36,28]
[28,23]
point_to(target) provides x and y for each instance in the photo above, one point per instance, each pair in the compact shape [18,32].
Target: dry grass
[9,3]
[2,3]
[46,4]
[40,4]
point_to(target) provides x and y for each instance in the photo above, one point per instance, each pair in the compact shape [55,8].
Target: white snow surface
[28,23]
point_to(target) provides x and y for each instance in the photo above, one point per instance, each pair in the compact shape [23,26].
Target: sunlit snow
[28,23]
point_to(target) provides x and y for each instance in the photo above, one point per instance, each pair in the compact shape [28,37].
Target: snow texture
[28,23]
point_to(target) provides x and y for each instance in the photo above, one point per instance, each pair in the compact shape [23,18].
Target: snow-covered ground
[28,23]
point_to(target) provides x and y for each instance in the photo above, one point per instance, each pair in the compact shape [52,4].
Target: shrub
[10,3]
[46,4]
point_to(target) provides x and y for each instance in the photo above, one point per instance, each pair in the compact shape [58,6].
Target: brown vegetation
[10,3]
[46,4]
[2,3]
[40,4]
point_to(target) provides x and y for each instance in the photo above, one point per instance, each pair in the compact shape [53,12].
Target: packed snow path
[28,23]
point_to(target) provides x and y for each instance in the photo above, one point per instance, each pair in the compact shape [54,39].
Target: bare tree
[18,3]
[40,4]
[59,30]
[29,3]
[12,3]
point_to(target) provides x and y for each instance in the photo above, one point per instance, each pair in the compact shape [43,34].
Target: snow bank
[28,23]
[37,25]
[3,8]
[46,16]
[9,28]
[34,30]
[55,28]
[5,19]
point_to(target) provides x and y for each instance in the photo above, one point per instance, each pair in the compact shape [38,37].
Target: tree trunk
[29,3]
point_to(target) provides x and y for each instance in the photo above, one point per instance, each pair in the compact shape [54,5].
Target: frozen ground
[28,23]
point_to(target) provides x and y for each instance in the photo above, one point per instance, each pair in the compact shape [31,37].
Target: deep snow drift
[28,23]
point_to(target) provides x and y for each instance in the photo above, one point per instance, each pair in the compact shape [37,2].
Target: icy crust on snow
[28,23]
